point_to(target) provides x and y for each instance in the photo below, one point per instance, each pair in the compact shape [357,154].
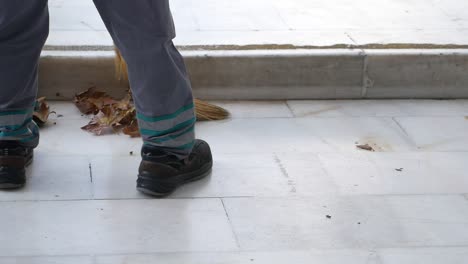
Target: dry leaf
[126,103]
[99,125]
[365,147]
[111,115]
[41,111]
[132,130]
[92,101]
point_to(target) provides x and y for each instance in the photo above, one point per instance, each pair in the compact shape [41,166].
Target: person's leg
[143,31]
[23,30]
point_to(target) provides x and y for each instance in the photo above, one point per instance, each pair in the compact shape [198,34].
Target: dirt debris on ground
[365,147]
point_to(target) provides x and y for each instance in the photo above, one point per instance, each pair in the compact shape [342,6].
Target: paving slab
[378,108]
[299,257]
[349,222]
[453,255]
[114,227]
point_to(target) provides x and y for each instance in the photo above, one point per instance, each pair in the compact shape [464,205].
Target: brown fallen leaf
[112,115]
[92,101]
[365,147]
[41,111]
[100,103]
[132,130]
[126,103]
[99,125]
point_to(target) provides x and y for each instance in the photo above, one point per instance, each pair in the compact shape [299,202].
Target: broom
[204,110]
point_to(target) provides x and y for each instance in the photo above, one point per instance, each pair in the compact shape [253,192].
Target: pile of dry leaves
[110,115]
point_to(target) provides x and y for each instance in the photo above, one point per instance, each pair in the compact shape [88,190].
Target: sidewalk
[288,186]
[75,24]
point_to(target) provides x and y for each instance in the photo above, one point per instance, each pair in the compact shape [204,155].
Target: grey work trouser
[143,31]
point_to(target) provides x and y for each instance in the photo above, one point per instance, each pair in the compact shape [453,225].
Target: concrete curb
[280,74]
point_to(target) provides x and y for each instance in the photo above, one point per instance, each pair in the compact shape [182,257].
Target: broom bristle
[121,70]
[209,112]
[205,111]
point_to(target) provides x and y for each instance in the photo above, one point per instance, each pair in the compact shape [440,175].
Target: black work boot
[14,159]
[160,174]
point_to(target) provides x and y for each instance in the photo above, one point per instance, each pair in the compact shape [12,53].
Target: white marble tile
[182,12]
[115,177]
[397,173]
[260,136]
[234,15]
[269,38]
[436,133]
[309,14]
[385,15]
[379,108]
[415,14]
[113,227]
[410,37]
[356,222]
[52,177]
[455,10]
[67,138]
[233,175]
[296,257]
[189,37]
[58,39]
[298,22]
[344,133]
[341,108]
[242,175]
[75,15]
[47,260]
[306,175]
[256,109]
[446,255]
[65,110]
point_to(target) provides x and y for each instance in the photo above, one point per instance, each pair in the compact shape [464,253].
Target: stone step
[270,74]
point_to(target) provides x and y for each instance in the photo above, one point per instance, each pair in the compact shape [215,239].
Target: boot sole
[162,188]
